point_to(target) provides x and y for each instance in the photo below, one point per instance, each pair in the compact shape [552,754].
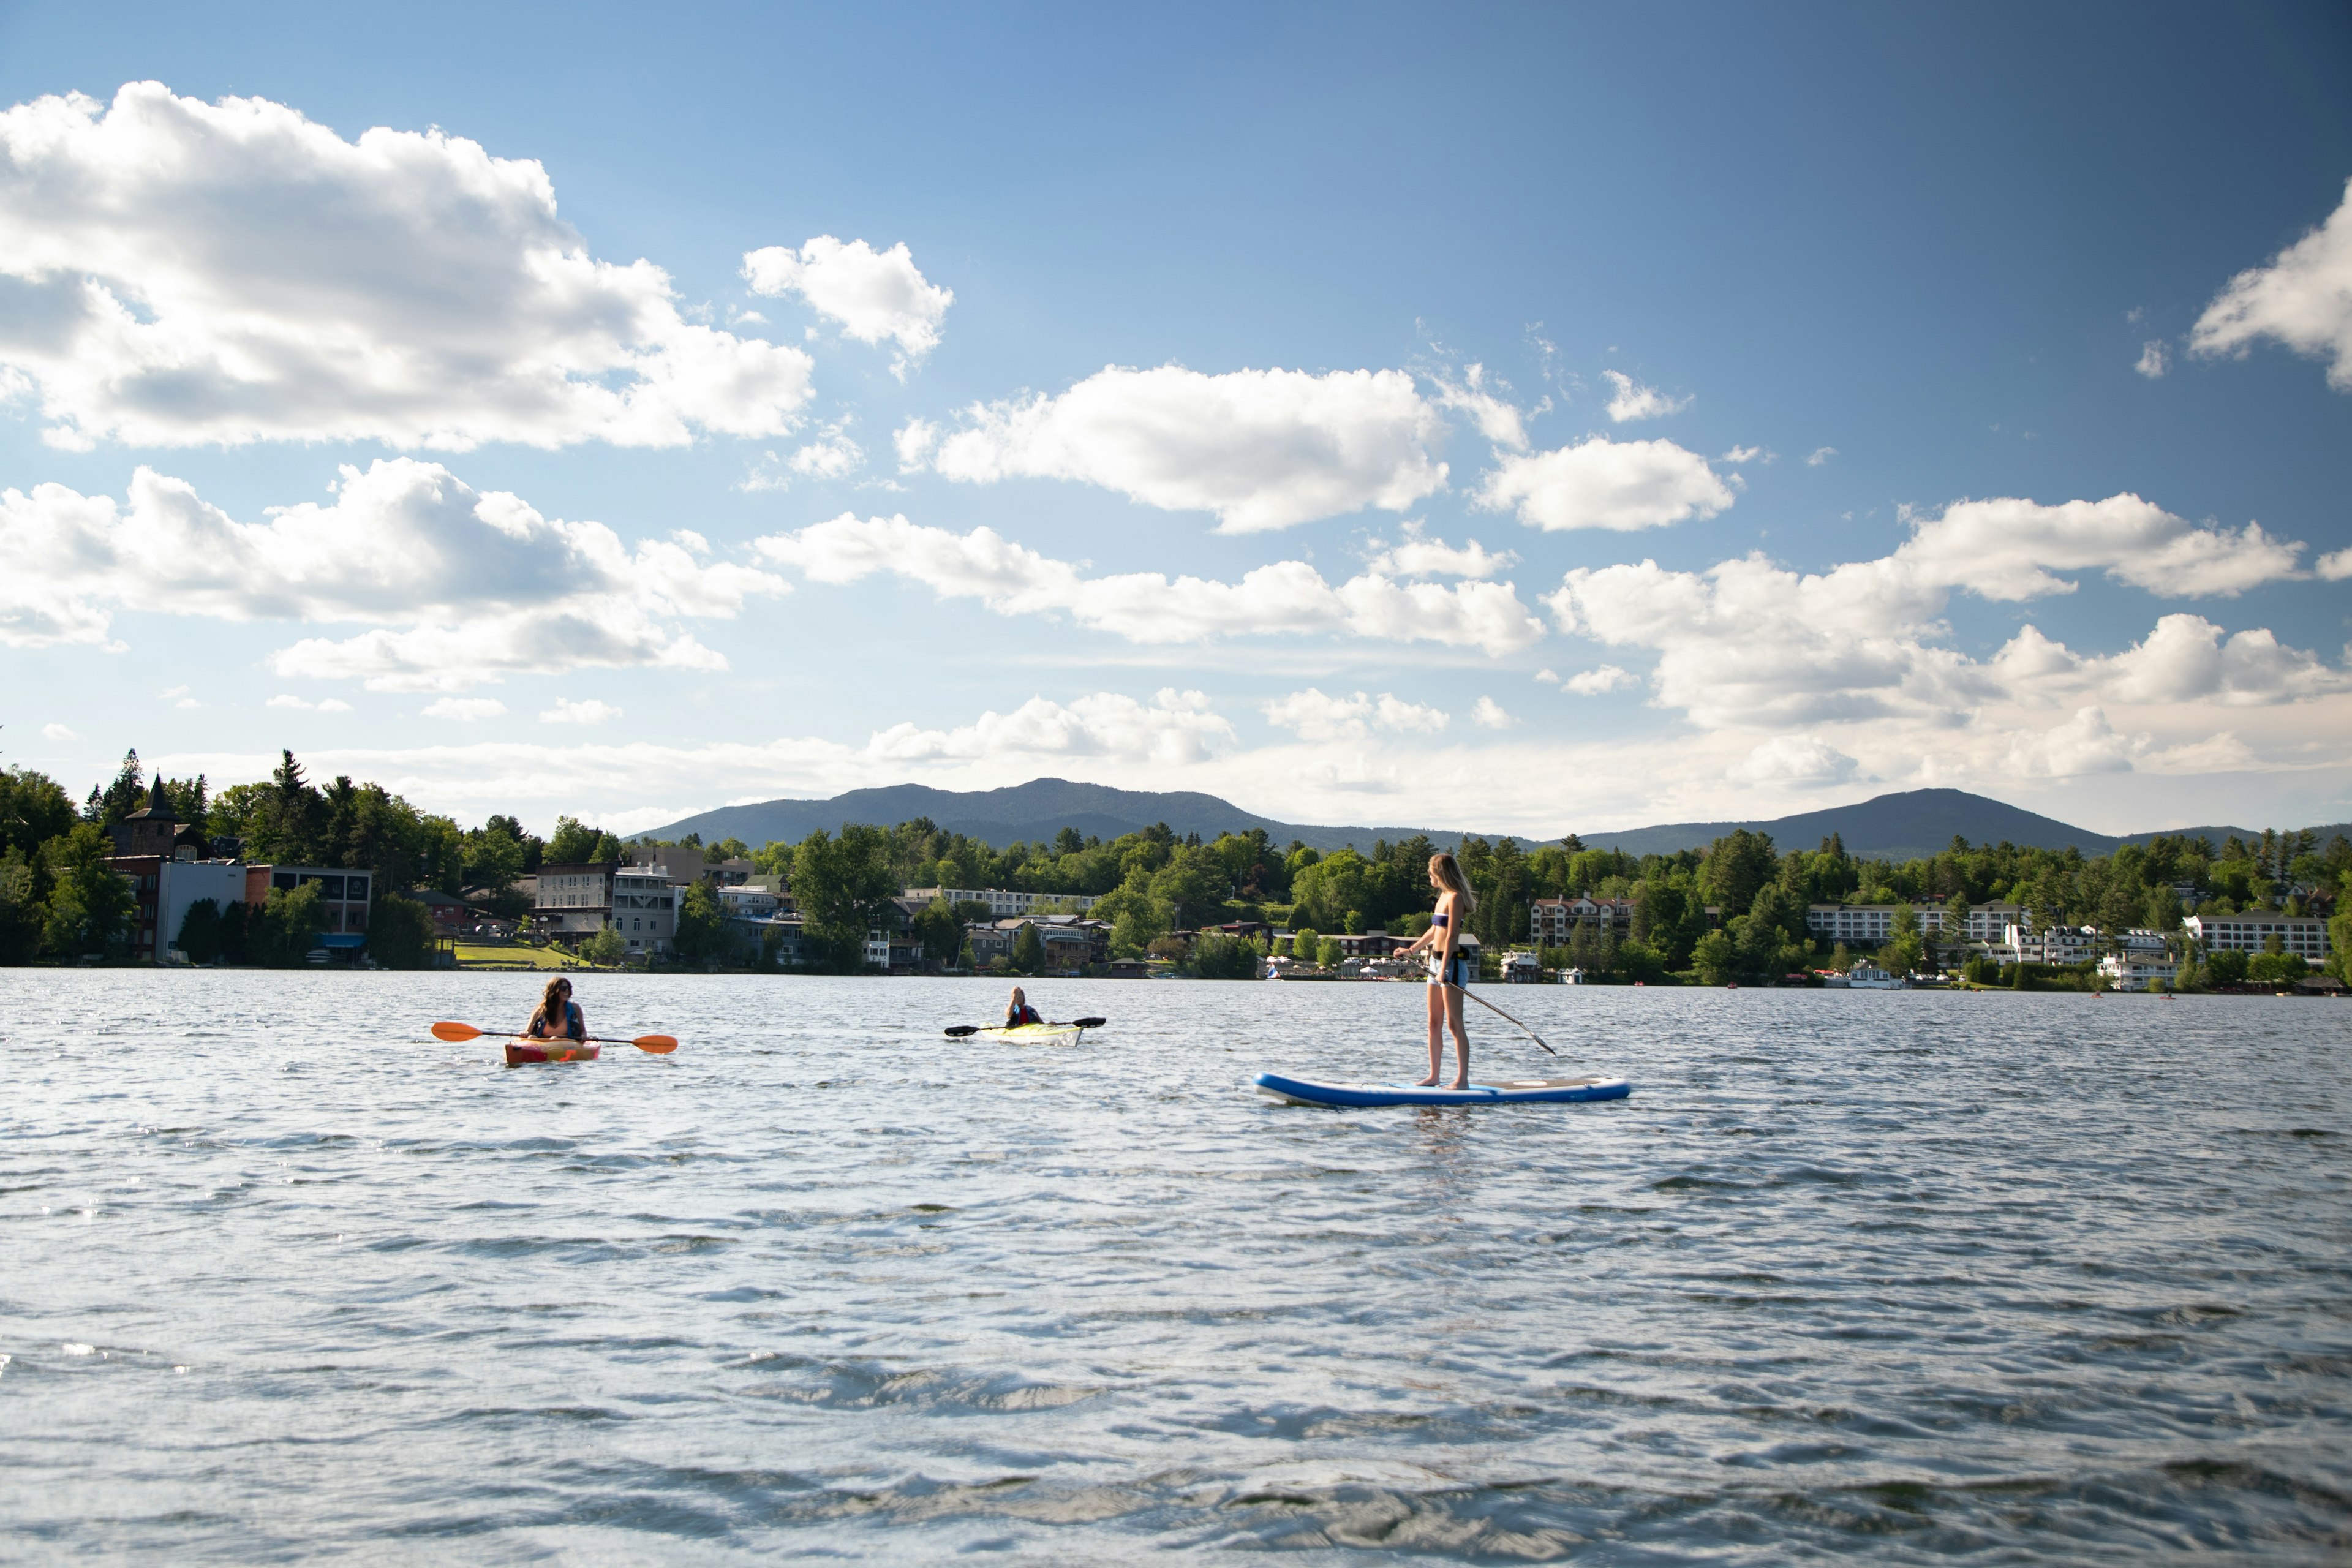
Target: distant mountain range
[1911,825]
[1900,826]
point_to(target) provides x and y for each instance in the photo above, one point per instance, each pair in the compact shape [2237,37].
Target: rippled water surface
[1903,1277]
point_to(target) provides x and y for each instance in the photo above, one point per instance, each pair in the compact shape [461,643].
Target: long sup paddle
[660,1045]
[1492,1009]
[962,1031]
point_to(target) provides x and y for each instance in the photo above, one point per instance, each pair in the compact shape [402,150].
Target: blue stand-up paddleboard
[1516,1092]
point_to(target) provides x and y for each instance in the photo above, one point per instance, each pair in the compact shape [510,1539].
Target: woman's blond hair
[1448,870]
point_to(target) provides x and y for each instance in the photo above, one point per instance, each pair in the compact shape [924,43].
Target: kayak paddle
[660,1045]
[962,1031]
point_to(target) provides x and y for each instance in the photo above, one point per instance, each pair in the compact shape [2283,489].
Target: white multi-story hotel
[1987,922]
[2303,935]
[1552,921]
[1001,901]
[1866,923]
[2059,945]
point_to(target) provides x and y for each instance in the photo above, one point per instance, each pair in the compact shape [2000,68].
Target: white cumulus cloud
[465,710]
[1176,729]
[1314,716]
[303,705]
[876,295]
[2086,743]
[2335,566]
[1806,762]
[2154,359]
[2008,549]
[177,273]
[1819,455]
[1601,483]
[1594,682]
[1750,644]
[2185,658]
[405,547]
[1489,714]
[1632,400]
[59,732]
[1497,420]
[1417,555]
[831,456]
[2301,298]
[588,711]
[1260,448]
[1286,598]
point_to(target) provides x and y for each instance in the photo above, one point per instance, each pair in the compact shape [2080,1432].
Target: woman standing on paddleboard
[559,1016]
[1449,970]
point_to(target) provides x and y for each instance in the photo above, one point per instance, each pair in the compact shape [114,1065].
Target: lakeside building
[2305,936]
[645,907]
[1870,923]
[2059,945]
[1370,945]
[342,894]
[1553,923]
[1988,921]
[170,866]
[163,891]
[638,900]
[742,903]
[1002,901]
[1070,941]
[684,864]
[2136,971]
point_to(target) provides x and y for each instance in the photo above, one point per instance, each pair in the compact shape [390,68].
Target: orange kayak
[523,1049]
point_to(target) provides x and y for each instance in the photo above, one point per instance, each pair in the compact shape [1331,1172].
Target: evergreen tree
[843,887]
[127,793]
[702,934]
[200,932]
[400,934]
[34,809]
[21,914]
[89,902]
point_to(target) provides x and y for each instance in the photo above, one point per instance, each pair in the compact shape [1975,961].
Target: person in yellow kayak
[1018,1012]
[558,1017]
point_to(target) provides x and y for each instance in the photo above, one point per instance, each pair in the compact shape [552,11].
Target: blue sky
[1329,250]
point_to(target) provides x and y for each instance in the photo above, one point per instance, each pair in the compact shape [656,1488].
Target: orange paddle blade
[454,1032]
[660,1044]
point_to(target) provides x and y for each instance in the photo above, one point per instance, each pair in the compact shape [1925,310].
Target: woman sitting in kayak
[1449,969]
[1018,1011]
[559,1016]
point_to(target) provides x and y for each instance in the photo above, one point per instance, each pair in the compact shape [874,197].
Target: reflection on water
[1903,1276]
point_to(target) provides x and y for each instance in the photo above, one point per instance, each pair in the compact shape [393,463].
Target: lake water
[1903,1276]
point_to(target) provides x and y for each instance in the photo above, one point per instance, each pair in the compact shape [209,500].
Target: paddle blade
[1090,1023]
[958,1031]
[660,1045]
[454,1032]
